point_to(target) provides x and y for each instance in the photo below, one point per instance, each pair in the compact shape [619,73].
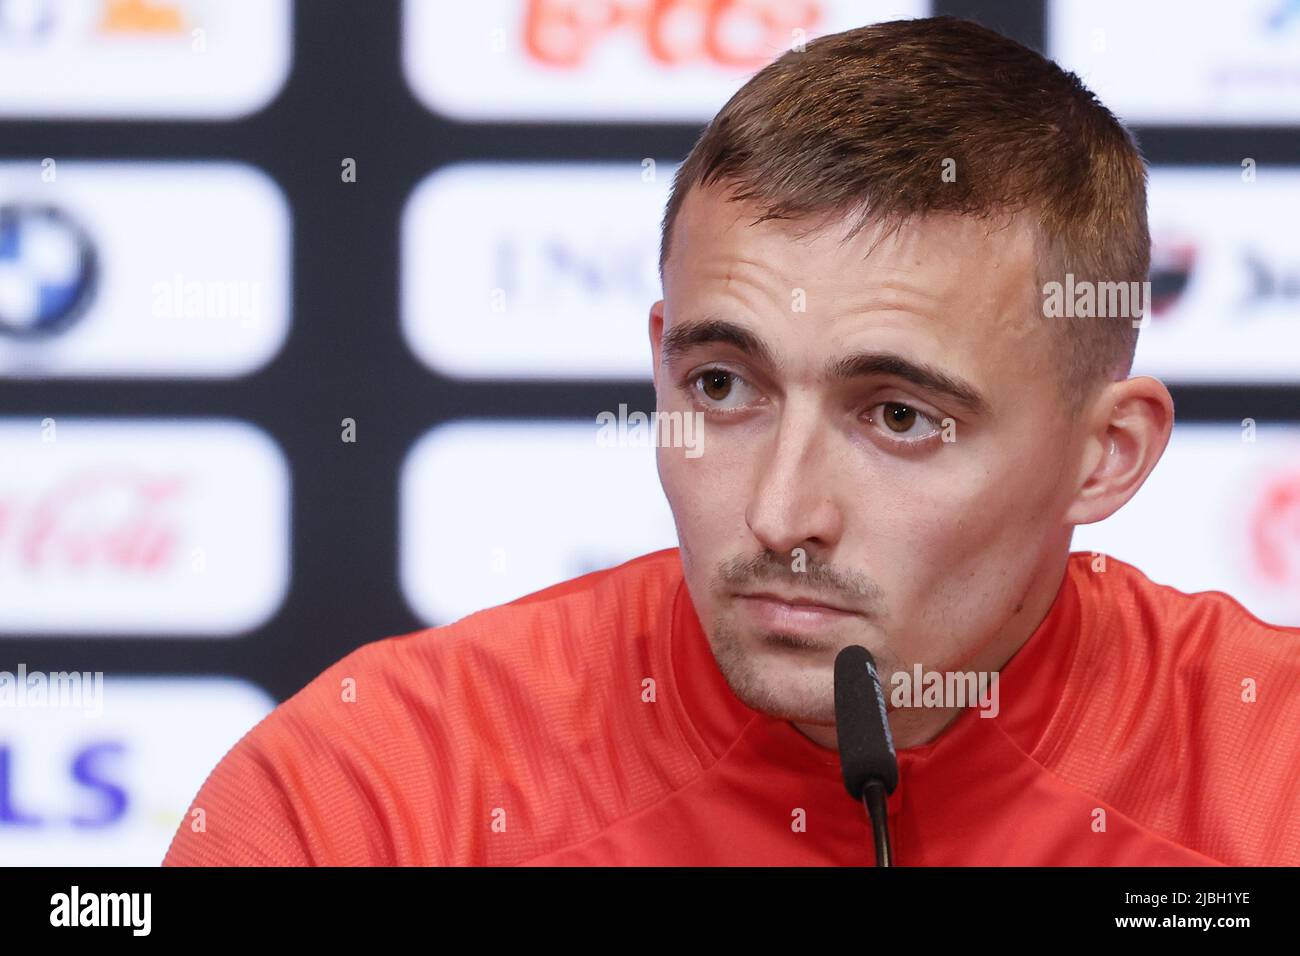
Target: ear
[1129,428]
[656,336]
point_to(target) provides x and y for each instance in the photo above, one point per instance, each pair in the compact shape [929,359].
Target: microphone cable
[876,800]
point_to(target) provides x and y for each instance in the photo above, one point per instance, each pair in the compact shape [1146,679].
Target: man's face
[883,437]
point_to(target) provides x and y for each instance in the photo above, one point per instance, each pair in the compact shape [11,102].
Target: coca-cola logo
[1275,531]
[100,519]
[742,34]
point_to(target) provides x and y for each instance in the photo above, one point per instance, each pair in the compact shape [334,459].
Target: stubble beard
[802,693]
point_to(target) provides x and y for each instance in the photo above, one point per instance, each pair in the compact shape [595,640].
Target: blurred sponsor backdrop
[307,310]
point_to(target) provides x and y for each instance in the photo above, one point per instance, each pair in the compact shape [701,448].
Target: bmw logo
[47,270]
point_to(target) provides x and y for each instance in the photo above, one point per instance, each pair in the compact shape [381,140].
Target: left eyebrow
[863,364]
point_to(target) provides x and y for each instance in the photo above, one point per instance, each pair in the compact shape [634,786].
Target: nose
[793,503]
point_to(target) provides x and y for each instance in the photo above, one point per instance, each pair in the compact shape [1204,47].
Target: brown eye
[716,384]
[899,418]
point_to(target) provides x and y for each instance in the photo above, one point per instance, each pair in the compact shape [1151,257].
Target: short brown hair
[864,120]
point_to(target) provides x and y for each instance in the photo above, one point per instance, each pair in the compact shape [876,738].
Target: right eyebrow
[687,335]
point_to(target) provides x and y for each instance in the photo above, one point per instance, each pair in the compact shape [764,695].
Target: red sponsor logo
[743,34]
[114,519]
[1275,531]
[1173,261]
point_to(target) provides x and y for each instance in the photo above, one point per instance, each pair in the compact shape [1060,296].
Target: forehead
[956,290]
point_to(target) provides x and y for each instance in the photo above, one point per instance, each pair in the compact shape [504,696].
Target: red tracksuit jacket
[529,734]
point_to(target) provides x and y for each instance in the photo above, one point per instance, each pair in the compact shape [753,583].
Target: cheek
[972,531]
[708,496]
[705,534]
[1024,485]
[993,489]
[922,526]
[703,492]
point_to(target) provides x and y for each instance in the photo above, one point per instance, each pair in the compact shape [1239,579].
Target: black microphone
[866,747]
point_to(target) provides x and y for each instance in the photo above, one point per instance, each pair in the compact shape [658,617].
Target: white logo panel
[130,269]
[609,60]
[491,512]
[1225,276]
[1184,61]
[110,789]
[533,271]
[206,59]
[116,527]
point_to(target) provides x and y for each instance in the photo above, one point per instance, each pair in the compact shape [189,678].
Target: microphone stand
[875,799]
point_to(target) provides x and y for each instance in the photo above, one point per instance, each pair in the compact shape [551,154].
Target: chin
[791,685]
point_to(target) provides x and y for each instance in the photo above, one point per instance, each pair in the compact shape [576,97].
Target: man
[900,440]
